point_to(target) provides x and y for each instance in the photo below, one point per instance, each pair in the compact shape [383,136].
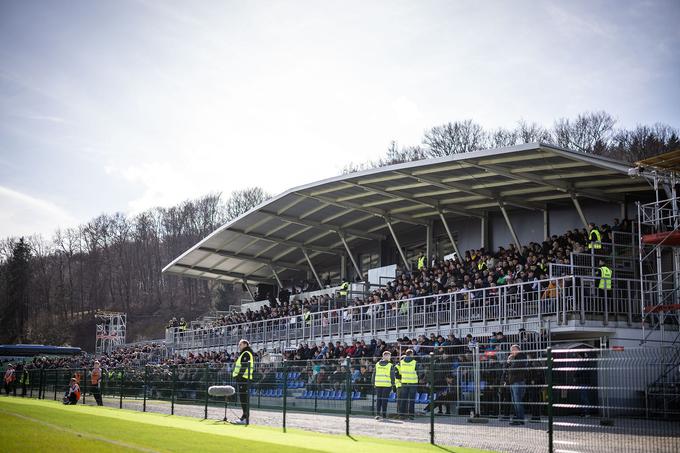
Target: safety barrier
[593,399]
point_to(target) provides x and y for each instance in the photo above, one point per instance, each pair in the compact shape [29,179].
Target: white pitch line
[78,433]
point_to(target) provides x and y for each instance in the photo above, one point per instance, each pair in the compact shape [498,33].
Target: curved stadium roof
[278,238]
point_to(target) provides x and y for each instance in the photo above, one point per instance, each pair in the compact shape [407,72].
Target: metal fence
[559,300]
[483,396]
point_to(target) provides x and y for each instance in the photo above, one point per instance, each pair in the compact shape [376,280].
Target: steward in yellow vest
[243,374]
[422,262]
[594,237]
[605,275]
[383,381]
[409,381]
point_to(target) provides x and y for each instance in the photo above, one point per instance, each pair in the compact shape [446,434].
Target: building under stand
[384,218]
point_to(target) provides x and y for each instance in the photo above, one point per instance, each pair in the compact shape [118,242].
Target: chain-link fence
[486,396]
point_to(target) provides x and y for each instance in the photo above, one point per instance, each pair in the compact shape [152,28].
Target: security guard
[24,380]
[605,284]
[409,381]
[243,375]
[422,262]
[594,237]
[383,381]
[344,287]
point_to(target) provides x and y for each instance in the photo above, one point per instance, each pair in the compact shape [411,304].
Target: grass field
[48,426]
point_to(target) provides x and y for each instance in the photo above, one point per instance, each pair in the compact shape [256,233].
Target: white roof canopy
[272,239]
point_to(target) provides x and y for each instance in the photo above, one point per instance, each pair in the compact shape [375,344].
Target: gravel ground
[571,434]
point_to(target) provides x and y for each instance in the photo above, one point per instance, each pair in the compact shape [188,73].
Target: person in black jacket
[516,376]
[243,375]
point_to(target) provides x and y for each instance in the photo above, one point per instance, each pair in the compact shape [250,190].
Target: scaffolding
[110,331]
[659,259]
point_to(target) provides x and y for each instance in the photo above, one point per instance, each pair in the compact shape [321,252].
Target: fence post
[432,398]
[84,375]
[207,384]
[285,392]
[41,380]
[122,381]
[549,382]
[172,389]
[146,386]
[56,379]
[348,389]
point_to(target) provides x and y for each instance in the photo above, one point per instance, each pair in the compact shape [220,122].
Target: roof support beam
[287,242]
[254,259]
[250,291]
[577,205]
[311,266]
[466,189]
[556,185]
[509,224]
[357,207]
[276,276]
[404,197]
[448,233]
[351,257]
[327,226]
[234,275]
[396,241]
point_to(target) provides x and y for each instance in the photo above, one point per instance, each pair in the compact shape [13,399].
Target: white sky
[125,105]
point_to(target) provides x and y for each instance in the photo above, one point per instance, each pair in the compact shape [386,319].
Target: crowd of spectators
[476,270]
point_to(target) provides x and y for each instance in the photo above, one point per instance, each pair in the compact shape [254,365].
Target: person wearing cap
[73,393]
[408,371]
[95,382]
[243,375]
[383,381]
[10,379]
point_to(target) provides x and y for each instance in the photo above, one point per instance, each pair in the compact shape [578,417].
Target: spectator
[516,376]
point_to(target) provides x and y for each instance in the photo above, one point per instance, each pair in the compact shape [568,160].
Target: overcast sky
[124,105]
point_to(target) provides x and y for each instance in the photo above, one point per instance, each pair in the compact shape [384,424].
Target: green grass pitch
[48,426]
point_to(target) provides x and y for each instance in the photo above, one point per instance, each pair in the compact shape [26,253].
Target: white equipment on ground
[222,390]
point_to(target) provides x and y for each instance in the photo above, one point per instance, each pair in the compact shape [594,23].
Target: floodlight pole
[311,266]
[396,241]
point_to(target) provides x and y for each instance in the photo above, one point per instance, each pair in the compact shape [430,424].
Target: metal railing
[559,300]
[592,399]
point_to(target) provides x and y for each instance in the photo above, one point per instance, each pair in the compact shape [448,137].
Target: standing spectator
[10,378]
[96,381]
[515,376]
[383,381]
[408,370]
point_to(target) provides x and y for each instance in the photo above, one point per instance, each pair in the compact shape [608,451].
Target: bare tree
[241,201]
[454,138]
[590,132]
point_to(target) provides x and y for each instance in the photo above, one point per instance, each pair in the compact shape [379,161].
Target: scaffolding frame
[110,331]
[659,281]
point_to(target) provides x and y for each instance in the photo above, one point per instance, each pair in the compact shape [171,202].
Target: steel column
[577,205]
[396,241]
[351,257]
[448,233]
[509,224]
[252,296]
[311,266]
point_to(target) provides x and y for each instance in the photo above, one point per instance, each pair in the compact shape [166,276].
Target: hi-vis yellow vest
[597,242]
[421,262]
[237,366]
[408,372]
[383,375]
[605,278]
